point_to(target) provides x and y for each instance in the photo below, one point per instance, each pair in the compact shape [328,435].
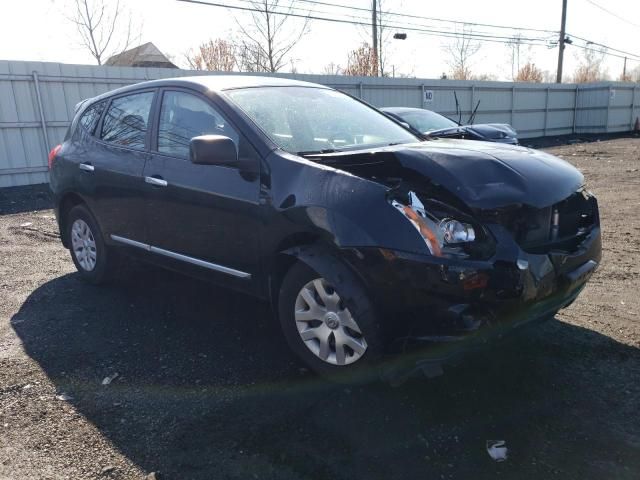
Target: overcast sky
[38,30]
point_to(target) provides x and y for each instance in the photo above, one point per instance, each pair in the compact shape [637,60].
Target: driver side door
[201,218]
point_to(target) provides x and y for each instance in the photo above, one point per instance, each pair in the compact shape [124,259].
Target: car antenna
[473,115]
[458,112]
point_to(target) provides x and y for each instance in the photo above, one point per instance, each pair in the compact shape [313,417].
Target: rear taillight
[52,155]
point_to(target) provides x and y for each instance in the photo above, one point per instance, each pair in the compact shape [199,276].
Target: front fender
[347,210]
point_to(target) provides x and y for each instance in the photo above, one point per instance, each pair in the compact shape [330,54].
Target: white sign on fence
[428,96]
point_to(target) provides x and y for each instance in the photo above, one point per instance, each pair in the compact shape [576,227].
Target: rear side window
[127,120]
[184,116]
[90,117]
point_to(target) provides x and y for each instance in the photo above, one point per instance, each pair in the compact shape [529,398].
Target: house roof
[146,55]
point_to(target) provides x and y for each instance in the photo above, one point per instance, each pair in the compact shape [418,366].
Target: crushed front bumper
[451,304]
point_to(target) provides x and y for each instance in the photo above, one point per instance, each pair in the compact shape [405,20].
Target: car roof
[215,83]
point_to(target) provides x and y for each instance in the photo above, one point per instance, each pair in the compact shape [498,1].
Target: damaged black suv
[365,239]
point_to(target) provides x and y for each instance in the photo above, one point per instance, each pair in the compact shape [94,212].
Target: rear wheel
[329,321]
[92,258]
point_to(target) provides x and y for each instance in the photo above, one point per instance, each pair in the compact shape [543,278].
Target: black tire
[106,261]
[354,297]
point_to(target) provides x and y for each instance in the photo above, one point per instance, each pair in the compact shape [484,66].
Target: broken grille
[561,226]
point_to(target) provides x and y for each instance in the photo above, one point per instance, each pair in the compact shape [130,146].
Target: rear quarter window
[127,120]
[90,117]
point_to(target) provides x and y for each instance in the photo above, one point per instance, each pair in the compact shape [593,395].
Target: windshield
[310,120]
[426,120]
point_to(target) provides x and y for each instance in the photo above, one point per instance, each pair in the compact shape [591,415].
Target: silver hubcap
[84,245]
[326,326]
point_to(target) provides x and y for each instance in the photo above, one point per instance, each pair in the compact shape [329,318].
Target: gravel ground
[206,387]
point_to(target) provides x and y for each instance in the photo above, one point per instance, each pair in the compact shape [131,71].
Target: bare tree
[105,28]
[362,62]
[217,55]
[530,73]
[269,36]
[590,67]
[630,75]
[460,52]
[332,68]
[484,77]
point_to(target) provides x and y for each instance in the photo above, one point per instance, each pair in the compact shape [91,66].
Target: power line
[426,29]
[604,52]
[609,12]
[423,31]
[420,17]
[622,52]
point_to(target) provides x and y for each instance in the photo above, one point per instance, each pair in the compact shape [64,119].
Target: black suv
[366,239]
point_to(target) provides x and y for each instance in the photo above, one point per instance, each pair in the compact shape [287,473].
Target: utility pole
[561,42]
[624,70]
[374,29]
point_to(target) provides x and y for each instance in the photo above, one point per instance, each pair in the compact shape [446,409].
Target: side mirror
[213,150]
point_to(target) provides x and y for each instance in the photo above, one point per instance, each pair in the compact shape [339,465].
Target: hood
[493,130]
[483,175]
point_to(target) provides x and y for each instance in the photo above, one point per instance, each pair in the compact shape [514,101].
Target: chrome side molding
[131,243]
[183,258]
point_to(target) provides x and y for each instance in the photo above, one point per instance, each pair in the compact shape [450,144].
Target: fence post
[575,109]
[546,113]
[513,103]
[633,105]
[606,128]
[360,90]
[43,122]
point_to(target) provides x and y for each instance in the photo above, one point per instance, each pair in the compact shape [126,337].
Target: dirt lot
[207,389]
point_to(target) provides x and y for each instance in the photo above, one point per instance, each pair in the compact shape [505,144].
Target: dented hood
[483,175]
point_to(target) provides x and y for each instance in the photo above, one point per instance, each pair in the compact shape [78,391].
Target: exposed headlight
[456,232]
[436,233]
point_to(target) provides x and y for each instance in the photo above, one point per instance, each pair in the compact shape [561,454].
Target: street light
[400,36]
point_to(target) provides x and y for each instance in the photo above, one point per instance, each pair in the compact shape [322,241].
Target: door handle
[156,181]
[87,167]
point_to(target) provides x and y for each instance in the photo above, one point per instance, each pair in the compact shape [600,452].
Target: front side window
[90,117]
[127,120]
[306,120]
[184,116]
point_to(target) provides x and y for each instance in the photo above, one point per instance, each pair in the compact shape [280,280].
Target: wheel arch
[313,251]
[67,202]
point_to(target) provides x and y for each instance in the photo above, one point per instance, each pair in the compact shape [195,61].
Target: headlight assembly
[455,231]
[441,233]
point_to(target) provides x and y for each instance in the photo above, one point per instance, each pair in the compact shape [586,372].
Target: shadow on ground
[208,389]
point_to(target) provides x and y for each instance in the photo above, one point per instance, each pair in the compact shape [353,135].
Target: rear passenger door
[116,163]
[201,217]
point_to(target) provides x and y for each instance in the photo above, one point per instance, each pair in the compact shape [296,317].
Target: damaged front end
[510,235]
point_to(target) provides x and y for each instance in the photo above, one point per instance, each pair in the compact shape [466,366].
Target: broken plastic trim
[417,215]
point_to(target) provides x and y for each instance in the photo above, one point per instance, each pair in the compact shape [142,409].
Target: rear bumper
[435,301]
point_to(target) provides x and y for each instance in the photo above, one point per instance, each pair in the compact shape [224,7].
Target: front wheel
[329,321]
